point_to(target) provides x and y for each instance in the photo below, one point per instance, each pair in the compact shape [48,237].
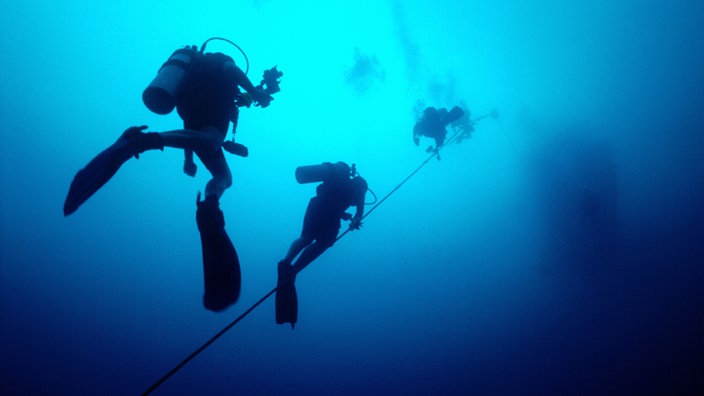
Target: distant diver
[341,188]
[205,90]
[433,124]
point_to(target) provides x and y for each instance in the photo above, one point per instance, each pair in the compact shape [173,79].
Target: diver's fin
[89,179]
[286,297]
[104,166]
[221,266]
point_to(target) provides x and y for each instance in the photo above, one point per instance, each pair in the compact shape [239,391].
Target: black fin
[286,297]
[89,179]
[221,266]
[104,166]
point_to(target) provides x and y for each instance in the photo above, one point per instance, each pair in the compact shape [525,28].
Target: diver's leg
[205,140]
[309,254]
[134,141]
[310,229]
[217,165]
[296,247]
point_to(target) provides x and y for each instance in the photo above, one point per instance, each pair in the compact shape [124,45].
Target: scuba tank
[453,115]
[326,171]
[162,93]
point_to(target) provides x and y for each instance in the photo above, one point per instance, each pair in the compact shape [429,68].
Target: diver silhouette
[433,124]
[205,90]
[341,188]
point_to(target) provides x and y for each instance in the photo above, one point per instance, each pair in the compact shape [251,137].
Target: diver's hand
[243,100]
[262,98]
[190,168]
[356,223]
[346,216]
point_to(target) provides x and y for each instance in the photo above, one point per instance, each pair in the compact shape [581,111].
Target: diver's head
[359,183]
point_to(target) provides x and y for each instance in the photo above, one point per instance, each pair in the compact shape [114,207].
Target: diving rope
[272,291]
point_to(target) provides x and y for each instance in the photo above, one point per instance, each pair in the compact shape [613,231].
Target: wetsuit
[207,101]
[322,219]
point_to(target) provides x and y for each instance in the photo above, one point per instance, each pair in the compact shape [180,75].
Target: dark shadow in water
[365,73]
[630,287]
[575,183]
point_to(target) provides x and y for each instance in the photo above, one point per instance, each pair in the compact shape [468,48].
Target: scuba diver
[341,188]
[205,90]
[433,123]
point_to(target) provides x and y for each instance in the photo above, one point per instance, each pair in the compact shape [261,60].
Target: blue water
[480,276]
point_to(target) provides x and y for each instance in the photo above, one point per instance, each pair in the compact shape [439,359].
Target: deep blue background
[479,276]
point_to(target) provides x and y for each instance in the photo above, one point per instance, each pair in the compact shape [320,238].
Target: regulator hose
[202,49]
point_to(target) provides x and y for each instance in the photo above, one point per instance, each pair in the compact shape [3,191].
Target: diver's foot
[285,271]
[132,132]
[211,202]
[208,213]
[134,142]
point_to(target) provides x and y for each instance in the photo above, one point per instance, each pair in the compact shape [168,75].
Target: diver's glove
[356,223]
[261,98]
[244,99]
